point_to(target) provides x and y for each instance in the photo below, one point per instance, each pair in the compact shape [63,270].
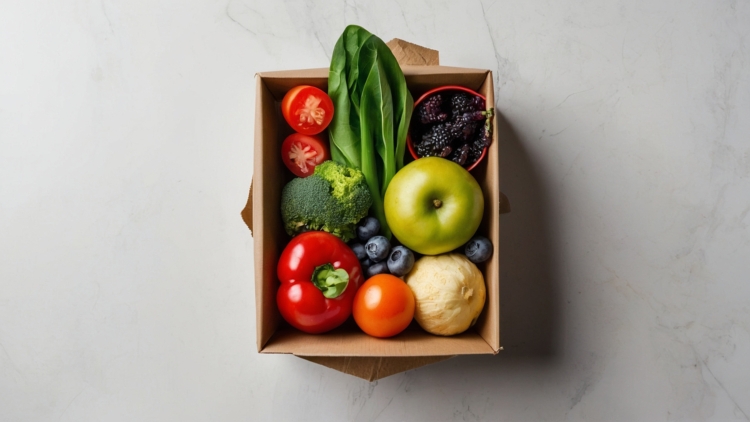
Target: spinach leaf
[403,104]
[372,50]
[344,128]
[377,136]
[372,109]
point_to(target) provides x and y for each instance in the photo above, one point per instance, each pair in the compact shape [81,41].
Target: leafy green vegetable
[344,129]
[377,135]
[372,111]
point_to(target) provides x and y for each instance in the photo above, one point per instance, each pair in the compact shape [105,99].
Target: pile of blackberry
[452,125]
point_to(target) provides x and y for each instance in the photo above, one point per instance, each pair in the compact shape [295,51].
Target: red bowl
[409,142]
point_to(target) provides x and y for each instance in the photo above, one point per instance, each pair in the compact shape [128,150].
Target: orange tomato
[383,306]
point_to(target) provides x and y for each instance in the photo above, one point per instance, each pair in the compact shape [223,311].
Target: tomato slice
[301,153]
[307,109]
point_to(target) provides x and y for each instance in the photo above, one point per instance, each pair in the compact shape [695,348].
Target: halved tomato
[301,153]
[307,109]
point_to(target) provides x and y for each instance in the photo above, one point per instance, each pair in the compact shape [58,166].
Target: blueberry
[365,263]
[377,248]
[359,250]
[400,261]
[367,228]
[479,249]
[376,268]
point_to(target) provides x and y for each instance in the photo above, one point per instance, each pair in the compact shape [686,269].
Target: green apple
[433,205]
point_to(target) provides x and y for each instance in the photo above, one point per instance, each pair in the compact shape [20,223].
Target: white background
[126,287]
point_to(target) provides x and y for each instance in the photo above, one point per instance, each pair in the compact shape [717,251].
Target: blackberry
[464,126]
[479,144]
[434,141]
[472,116]
[462,132]
[460,155]
[475,151]
[430,110]
[469,131]
[482,141]
[425,150]
[454,130]
[463,103]
[455,126]
[485,136]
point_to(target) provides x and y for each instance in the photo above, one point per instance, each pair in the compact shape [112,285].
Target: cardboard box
[346,348]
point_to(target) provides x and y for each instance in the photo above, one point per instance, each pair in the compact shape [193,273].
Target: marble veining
[125,156]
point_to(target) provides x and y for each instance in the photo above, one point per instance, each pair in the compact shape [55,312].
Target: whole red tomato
[307,109]
[384,306]
[319,277]
[301,153]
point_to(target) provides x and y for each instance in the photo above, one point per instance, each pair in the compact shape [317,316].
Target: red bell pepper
[319,277]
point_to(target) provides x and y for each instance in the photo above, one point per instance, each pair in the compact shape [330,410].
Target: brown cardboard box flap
[411,54]
[373,369]
[247,212]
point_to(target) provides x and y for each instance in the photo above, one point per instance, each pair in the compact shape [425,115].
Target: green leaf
[372,110]
[403,103]
[344,139]
[344,129]
[377,137]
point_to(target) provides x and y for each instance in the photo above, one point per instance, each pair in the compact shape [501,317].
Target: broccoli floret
[333,199]
[305,203]
[349,188]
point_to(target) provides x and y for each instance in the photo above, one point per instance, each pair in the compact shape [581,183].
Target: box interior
[270,175]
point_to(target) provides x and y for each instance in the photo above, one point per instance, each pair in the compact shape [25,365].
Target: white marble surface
[125,271]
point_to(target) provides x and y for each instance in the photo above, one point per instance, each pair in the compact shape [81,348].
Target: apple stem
[437,203]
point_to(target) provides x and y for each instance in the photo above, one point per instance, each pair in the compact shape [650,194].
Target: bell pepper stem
[331,281]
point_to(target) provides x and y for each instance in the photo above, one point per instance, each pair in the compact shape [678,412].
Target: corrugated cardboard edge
[372,368]
[488,324]
[265,200]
